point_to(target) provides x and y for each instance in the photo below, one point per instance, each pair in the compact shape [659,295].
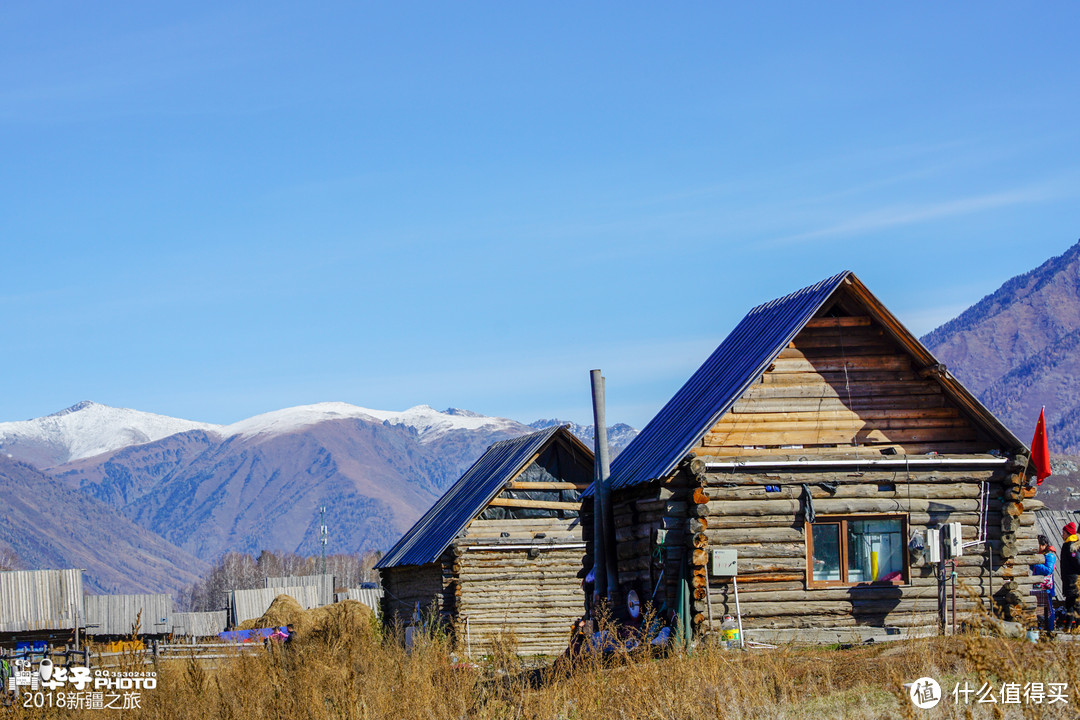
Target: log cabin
[820,441]
[500,551]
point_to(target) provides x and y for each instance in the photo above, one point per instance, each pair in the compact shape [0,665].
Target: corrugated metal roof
[1050,523]
[368,596]
[251,604]
[438,527]
[741,358]
[199,624]
[35,600]
[116,614]
[325,584]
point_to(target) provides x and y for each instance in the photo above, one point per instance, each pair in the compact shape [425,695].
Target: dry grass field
[349,669]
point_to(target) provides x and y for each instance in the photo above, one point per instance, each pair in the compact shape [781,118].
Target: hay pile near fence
[344,616]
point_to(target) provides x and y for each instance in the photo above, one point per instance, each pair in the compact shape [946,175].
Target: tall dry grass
[355,670]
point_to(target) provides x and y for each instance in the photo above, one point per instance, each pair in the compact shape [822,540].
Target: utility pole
[322,531]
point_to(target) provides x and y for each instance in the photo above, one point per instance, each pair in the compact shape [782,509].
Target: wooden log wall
[407,585]
[845,383]
[734,510]
[539,529]
[643,563]
[585,517]
[533,592]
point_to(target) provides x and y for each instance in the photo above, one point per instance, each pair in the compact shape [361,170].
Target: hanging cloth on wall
[808,504]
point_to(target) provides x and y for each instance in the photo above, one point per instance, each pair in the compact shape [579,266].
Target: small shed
[501,550]
[820,441]
[39,604]
[324,582]
[121,616]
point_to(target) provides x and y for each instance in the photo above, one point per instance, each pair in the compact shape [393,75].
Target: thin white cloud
[898,216]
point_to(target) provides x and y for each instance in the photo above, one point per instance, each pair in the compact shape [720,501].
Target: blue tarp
[256,635]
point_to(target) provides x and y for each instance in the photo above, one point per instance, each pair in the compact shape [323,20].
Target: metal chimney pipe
[603,538]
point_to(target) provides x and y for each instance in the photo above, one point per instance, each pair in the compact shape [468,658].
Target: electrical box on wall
[933,545]
[952,540]
[725,563]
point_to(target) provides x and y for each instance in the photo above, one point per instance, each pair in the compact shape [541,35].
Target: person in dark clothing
[290,635]
[1070,572]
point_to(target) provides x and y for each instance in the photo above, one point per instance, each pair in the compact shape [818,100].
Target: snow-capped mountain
[84,430]
[88,429]
[258,484]
[430,424]
[619,434]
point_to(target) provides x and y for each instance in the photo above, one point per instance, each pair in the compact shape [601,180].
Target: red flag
[1040,450]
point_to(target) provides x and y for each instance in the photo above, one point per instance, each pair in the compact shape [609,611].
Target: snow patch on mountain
[279,422]
[87,429]
[429,423]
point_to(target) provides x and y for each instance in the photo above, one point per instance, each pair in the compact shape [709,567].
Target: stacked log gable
[500,552]
[845,382]
[818,442]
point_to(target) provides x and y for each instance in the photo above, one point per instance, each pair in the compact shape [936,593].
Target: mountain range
[200,490]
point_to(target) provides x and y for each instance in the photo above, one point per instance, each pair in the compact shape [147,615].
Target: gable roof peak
[432,534]
[743,356]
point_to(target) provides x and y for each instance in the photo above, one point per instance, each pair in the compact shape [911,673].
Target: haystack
[341,617]
[347,617]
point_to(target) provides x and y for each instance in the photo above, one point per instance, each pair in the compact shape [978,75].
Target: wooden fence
[175,651]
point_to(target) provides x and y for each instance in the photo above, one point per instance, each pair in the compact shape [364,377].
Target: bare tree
[239,571]
[235,571]
[9,559]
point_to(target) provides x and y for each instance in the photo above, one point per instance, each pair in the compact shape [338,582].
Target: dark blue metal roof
[739,361]
[438,527]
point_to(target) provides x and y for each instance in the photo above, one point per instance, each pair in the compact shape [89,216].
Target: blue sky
[220,209]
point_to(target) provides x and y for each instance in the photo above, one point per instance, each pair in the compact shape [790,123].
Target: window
[857,549]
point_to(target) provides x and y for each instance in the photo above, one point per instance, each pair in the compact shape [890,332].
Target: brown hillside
[1017,350]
